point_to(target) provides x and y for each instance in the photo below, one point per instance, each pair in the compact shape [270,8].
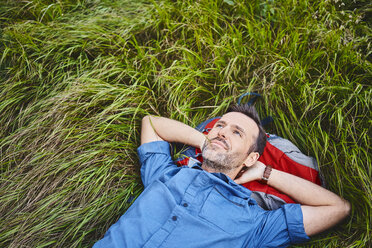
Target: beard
[219,161]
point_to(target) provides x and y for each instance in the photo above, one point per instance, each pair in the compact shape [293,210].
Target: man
[204,206]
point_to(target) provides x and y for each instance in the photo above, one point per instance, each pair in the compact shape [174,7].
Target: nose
[222,132]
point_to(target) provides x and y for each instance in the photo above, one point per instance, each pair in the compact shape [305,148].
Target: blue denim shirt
[189,207]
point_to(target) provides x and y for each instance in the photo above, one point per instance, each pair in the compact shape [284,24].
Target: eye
[219,125]
[237,133]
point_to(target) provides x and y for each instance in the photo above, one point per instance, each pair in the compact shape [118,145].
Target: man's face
[229,142]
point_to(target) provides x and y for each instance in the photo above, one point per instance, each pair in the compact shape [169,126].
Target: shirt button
[174,218]
[185,205]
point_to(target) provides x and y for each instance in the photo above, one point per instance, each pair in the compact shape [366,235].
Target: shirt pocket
[226,212]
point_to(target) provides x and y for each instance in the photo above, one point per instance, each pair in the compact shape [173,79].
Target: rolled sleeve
[281,227]
[295,223]
[155,159]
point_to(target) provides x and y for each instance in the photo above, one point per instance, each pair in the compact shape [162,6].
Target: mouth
[220,143]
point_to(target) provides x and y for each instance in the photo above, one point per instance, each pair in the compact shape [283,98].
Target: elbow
[346,207]
[343,209]
[146,118]
[145,121]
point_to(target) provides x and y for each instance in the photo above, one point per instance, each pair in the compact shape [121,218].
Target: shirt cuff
[295,223]
[149,148]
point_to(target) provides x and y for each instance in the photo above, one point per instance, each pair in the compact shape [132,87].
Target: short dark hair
[251,112]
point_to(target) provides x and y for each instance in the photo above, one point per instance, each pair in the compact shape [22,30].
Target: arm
[160,128]
[321,208]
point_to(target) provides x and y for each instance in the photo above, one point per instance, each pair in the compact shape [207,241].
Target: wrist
[203,139]
[259,170]
[266,174]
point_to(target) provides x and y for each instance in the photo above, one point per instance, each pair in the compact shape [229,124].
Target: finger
[238,181]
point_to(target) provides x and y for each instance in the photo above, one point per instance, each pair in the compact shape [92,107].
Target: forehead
[241,120]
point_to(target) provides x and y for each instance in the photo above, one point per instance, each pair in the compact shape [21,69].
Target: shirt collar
[195,164]
[244,192]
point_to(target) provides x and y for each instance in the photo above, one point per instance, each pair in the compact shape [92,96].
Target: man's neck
[231,173]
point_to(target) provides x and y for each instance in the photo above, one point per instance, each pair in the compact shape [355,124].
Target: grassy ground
[77,77]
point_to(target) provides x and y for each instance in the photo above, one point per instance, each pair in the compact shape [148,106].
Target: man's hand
[252,173]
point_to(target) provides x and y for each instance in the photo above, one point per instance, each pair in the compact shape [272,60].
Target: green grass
[78,76]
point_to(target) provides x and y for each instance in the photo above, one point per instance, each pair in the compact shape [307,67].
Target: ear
[251,159]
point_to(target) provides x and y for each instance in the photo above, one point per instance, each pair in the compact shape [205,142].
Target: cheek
[242,145]
[212,134]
